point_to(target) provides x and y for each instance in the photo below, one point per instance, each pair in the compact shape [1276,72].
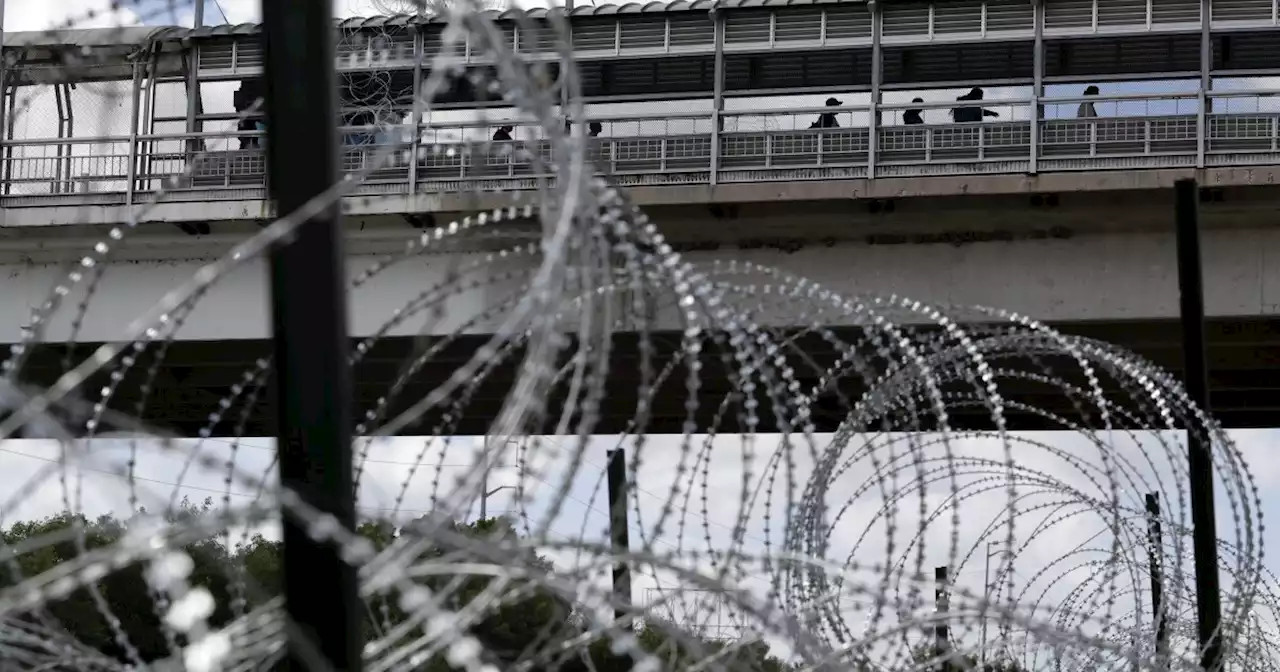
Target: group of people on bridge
[911,117]
[959,114]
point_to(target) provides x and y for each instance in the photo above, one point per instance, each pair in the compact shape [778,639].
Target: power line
[218,6]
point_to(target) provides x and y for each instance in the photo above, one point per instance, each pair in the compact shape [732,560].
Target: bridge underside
[1244,358]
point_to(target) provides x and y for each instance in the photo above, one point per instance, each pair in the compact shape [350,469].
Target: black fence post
[1155,544]
[941,629]
[619,539]
[1200,461]
[309,319]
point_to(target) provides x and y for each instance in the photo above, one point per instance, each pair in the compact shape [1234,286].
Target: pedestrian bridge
[726,84]
[757,147]
[730,136]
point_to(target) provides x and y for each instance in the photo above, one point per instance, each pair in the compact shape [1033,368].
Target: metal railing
[1140,131]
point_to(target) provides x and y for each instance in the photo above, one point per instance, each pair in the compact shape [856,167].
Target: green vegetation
[529,627]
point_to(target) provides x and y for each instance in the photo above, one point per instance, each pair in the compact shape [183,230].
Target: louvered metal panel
[1127,55]
[591,78]
[432,40]
[779,71]
[1070,15]
[1246,51]
[538,37]
[595,34]
[803,24]
[692,30]
[1010,16]
[648,32]
[737,72]
[1244,11]
[508,31]
[633,77]
[1164,12]
[217,54]
[843,68]
[685,75]
[848,21]
[947,63]
[826,69]
[1122,14]
[962,16]
[905,19]
[645,78]
[249,53]
[747,27]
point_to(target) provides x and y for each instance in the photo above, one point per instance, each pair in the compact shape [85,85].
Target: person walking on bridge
[971,114]
[828,119]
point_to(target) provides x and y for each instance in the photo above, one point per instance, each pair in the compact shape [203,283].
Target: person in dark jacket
[503,134]
[828,119]
[1086,109]
[594,129]
[913,116]
[971,114]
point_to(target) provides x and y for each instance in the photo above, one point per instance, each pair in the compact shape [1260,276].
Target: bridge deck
[1244,360]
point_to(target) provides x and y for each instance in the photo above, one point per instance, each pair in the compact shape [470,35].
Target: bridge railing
[1136,131]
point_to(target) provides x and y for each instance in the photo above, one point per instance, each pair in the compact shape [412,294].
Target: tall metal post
[309,320]
[717,95]
[1206,82]
[877,73]
[986,595]
[415,115]
[194,103]
[134,119]
[1155,543]
[1200,461]
[618,538]
[986,600]
[1037,84]
[4,85]
[942,602]
[10,112]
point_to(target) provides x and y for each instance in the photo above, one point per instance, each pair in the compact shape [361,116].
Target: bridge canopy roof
[126,36]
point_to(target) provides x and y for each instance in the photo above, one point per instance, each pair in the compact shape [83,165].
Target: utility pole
[1200,461]
[309,323]
[1155,551]
[618,538]
[484,498]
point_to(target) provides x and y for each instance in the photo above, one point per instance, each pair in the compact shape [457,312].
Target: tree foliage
[529,627]
[959,661]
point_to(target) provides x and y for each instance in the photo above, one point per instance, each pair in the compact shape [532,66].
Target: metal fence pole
[941,629]
[1200,461]
[877,77]
[1037,86]
[717,96]
[618,537]
[308,306]
[1155,540]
